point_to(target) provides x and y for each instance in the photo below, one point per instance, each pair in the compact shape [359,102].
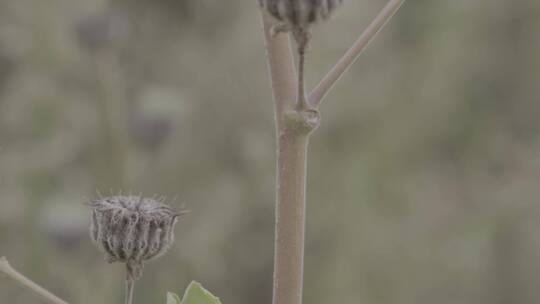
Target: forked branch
[6,269]
[320,91]
[294,126]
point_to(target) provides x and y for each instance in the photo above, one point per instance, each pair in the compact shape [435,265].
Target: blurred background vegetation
[423,179]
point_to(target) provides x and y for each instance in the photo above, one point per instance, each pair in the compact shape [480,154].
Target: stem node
[303,121]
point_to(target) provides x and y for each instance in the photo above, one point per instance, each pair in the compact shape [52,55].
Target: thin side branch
[320,91]
[6,269]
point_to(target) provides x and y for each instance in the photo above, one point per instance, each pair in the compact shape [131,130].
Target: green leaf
[172,298]
[196,294]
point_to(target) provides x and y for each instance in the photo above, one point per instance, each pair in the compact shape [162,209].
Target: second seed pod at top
[297,17]
[300,13]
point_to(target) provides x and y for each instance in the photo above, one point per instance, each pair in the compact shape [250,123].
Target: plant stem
[293,125]
[6,268]
[290,217]
[295,120]
[320,91]
[130,284]
[114,119]
[281,67]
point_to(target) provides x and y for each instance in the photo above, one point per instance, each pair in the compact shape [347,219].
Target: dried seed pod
[297,16]
[132,229]
[300,13]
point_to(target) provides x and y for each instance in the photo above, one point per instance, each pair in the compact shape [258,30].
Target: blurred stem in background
[293,128]
[9,271]
[101,35]
[114,118]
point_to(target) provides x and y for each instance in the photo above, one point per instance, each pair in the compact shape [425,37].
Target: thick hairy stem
[320,91]
[290,217]
[6,269]
[293,128]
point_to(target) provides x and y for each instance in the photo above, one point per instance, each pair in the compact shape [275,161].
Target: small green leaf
[196,294]
[172,298]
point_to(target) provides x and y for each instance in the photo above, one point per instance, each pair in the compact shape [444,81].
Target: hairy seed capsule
[132,229]
[300,13]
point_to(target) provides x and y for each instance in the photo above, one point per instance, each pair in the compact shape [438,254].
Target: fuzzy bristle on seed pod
[297,16]
[132,229]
